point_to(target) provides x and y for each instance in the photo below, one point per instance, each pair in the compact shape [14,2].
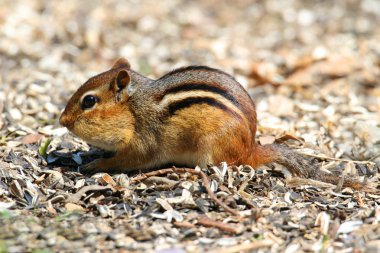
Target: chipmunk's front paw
[92,167]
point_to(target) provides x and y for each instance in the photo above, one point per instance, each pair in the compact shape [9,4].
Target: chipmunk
[192,116]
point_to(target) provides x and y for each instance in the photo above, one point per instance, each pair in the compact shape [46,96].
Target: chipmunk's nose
[66,120]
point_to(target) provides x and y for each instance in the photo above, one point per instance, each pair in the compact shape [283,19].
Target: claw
[91,167]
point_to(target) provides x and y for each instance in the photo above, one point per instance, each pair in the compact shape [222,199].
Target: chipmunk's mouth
[100,143]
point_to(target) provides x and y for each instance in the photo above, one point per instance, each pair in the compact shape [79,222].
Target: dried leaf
[107,179]
[32,138]
[16,189]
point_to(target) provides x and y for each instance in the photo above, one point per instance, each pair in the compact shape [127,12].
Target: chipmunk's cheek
[78,129]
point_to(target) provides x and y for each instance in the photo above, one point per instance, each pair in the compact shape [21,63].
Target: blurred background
[312,67]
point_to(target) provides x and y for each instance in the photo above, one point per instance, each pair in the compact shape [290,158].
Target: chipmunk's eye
[89,101]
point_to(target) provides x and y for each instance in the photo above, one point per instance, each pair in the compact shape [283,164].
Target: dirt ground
[311,67]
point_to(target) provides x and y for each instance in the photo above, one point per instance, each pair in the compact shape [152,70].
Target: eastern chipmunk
[191,116]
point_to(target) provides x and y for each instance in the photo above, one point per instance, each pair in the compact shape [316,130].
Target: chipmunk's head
[99,113]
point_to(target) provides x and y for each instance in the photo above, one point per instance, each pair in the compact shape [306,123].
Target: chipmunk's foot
[93,167]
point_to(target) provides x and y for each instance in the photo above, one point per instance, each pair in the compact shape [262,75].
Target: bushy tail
[300,166]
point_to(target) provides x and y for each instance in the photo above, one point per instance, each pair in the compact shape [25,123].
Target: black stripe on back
[188,102]
[201,68]
[203,87]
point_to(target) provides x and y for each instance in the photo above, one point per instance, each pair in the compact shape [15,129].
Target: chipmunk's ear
[121,63]
[122,80]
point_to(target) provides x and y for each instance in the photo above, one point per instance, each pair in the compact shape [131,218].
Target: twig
[161,181]
[374,157]
[246,198]
[184,224]
[246,247]
[336,159]
[298,181]
[207,222]
[205,181]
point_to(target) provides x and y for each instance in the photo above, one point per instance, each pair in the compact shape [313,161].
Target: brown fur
[190,116]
